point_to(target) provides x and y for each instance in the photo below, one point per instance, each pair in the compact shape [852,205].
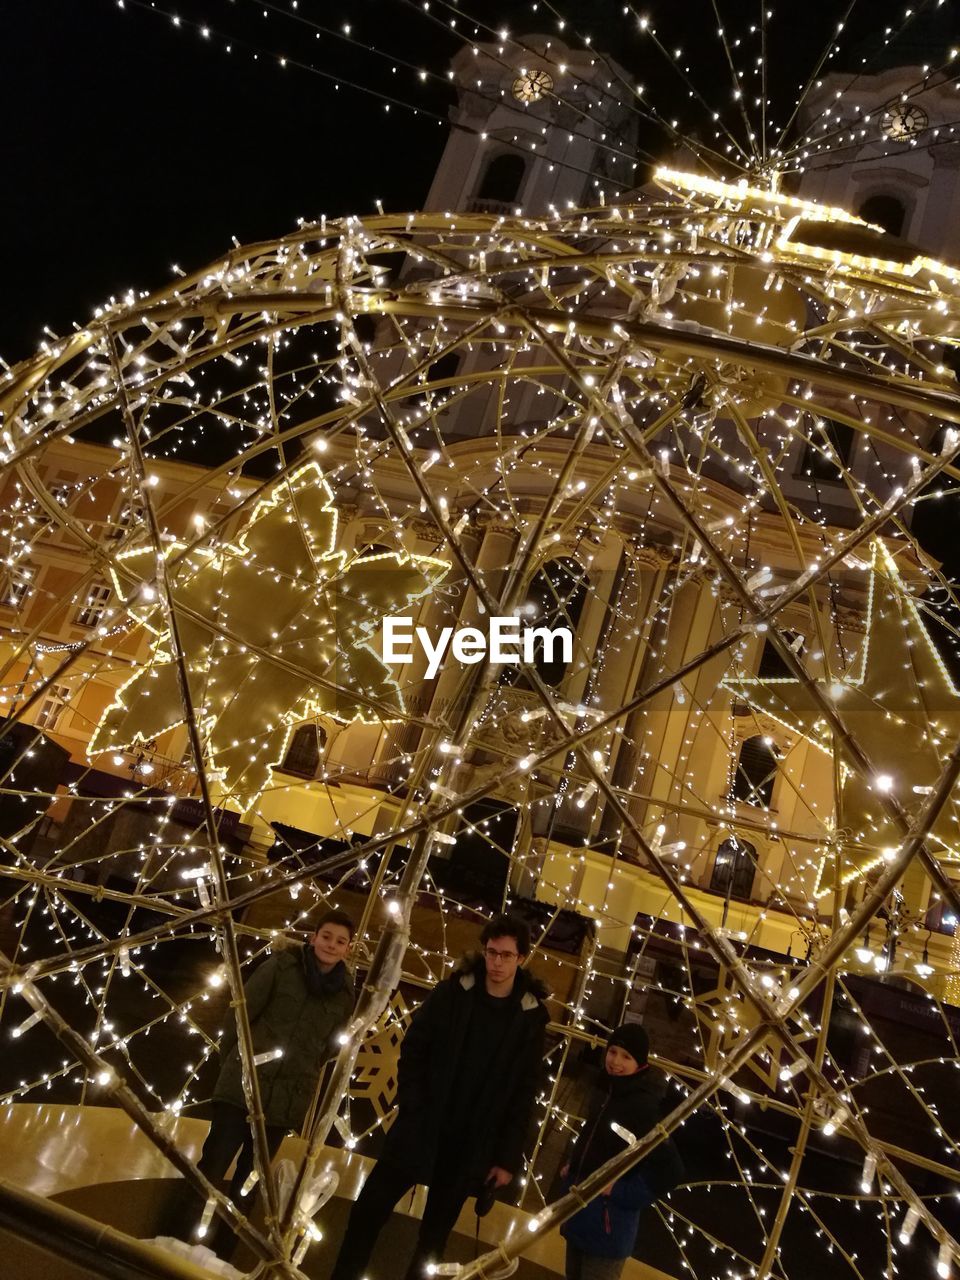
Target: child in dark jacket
[602,1235]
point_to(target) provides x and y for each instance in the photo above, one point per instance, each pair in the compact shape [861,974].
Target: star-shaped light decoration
[903,709]
[276,628]
[725,1016]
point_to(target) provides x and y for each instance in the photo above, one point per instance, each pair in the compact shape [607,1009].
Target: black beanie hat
[632,1037]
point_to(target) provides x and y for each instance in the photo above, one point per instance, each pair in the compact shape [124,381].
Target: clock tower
[537,126]
[882,139]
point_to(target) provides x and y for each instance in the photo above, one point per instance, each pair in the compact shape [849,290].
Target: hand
[565,1170]
[607,1190]
[498,1177]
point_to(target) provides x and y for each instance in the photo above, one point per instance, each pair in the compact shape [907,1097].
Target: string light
[631,414]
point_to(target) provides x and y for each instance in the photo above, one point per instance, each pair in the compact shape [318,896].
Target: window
[734,869]
[304,751]
[827,450]
[444,366]
[477,865]
[772,666]
[940,918]
[18,582]
[756,772]
[502,179]
[90,613]
[884,211]
[131,516]
[52,707]
[556,598]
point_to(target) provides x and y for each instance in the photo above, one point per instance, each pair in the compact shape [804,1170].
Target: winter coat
[429,1059]
[285,1014]
[607,1226]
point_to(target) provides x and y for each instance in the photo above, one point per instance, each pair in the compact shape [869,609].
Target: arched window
[884,211]
[756,772]
[772,666]
[556,598]
[734,869]
[304,751]
[502,178]
[828,448]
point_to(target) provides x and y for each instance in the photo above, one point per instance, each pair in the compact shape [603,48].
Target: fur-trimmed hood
[472,967]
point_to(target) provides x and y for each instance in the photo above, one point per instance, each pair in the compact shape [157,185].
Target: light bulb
[836,1120]
[909,1224]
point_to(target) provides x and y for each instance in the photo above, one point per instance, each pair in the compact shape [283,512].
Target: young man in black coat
[470,1068]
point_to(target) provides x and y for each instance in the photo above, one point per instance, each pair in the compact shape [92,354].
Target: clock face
[903,122]
[530,86]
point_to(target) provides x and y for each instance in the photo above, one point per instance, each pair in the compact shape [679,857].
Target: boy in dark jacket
[470,1067]
[297,1001]
[602,1235]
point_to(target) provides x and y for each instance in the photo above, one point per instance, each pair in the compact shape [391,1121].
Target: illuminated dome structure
[694,428]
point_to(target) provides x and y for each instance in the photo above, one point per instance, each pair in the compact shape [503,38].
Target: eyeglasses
[493,954]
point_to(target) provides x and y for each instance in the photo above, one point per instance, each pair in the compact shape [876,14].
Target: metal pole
[104,1251]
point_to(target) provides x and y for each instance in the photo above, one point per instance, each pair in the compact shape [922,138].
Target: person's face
[620,1063]
[501,958]
[330,943]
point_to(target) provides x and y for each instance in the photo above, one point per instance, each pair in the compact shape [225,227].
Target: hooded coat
[607,1226]
[430,1073]
[285,1013]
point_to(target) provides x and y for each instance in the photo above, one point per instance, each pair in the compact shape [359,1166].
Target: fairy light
[909,1224]
[945,1261]
[836,1121]
[203,1226]
[545,377]
[25,1026]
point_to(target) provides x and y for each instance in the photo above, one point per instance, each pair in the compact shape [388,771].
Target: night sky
[131,143]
